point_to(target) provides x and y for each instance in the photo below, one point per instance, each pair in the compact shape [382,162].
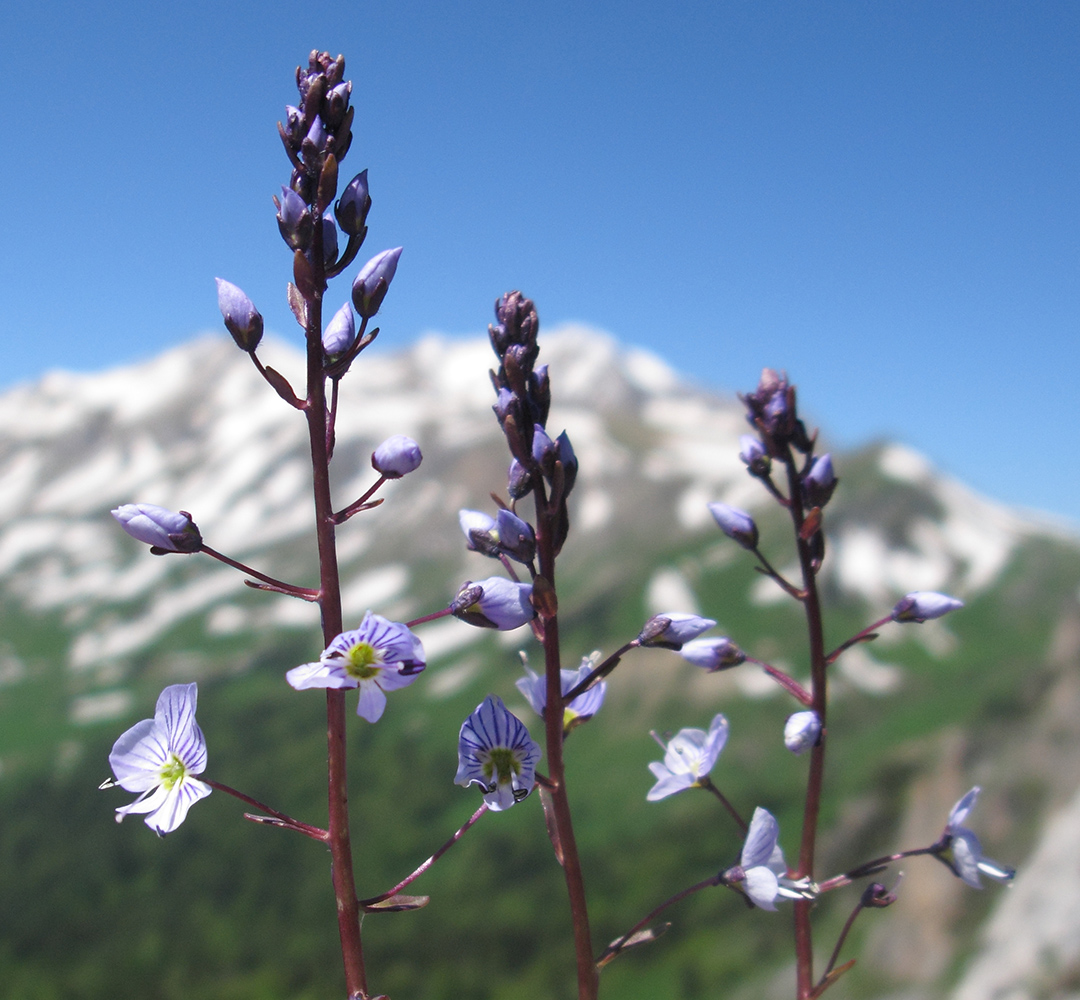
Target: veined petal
[320,675]
[966,855]
[175,712]
[393,679]
[667,783]
[174,809]
[500,799]
[138,754]
[760,839]
[761,886]
[372,701]
[961,809]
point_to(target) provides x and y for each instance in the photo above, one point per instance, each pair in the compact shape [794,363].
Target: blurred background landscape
[94,626]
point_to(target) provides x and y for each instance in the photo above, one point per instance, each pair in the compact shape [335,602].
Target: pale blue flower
[922,605]
[762,860]
[377,657]
[496,752]
[583,707]
[962,851]
[689,756]
[159,757]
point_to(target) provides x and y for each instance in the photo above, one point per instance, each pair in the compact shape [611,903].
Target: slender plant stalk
[348,909]
[587,977]
[804,950]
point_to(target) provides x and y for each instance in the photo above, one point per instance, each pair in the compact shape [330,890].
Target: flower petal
[760,839]
[138,754]
[174,809]
[175,711]
[761,886]
[372,702]
[320,675]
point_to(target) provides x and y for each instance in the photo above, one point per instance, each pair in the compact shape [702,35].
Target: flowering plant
[163,759]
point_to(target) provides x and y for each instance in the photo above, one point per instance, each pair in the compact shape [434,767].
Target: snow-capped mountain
[90,622]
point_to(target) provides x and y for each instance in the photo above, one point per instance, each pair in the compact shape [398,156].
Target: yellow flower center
[172,771]
[501,764]
[363,661]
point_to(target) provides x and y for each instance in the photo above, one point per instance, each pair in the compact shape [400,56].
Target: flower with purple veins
[370,286]
[672,629]
[736,524]
[712,654]
[494,603]
[962,852]
[377,657]
[340,332]
[242,319]
[397,456]
[496,752]
[159,757]
[161,529]
[689,756]
[922,605]
[583,707]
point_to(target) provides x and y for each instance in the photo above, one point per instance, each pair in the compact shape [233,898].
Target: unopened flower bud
[340,332]
[544,450]
[753,454]
[820,481]
[241,317]
[161,529]
[329,240]
[671,629]
[294,219]
[353,205]
[317,134]
[479,529]
[516,537]
[736,524]
[802,731]
[518,480]
[494,603]
[569,462]
[922,605]
[713,654]
[370,286]
[396,456]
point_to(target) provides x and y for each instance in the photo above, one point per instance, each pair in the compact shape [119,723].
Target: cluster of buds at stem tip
[523,399]
[163,530]
[770,409]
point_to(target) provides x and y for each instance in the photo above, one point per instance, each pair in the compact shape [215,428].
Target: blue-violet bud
[672,629]
[544,450]
[241,317]
[480,531]
[801,732]
[516,537]
[163,530]
[754,455]
[712,654]
[329,240]
[518,480]
[353,205]
[922,605]
[736,524]
[370,286]
[396,456]
[820,481]
[294,219]
[340,332]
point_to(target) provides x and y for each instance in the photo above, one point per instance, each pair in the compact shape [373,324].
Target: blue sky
[880,197]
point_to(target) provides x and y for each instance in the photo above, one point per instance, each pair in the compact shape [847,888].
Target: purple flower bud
[396,456]
[672,629]
[736,524]
[820,481]
[753,453]
[518,480]
[317,134]
[480,531]
[163,530]
[544,450]
[294,219]
[329,240]
[241,317]
[340,332]
[569,462]
[922,605]
[494,603]
[713,654]
[353,205]
[337,103]
[801,732]
[516,537]
[371,284]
